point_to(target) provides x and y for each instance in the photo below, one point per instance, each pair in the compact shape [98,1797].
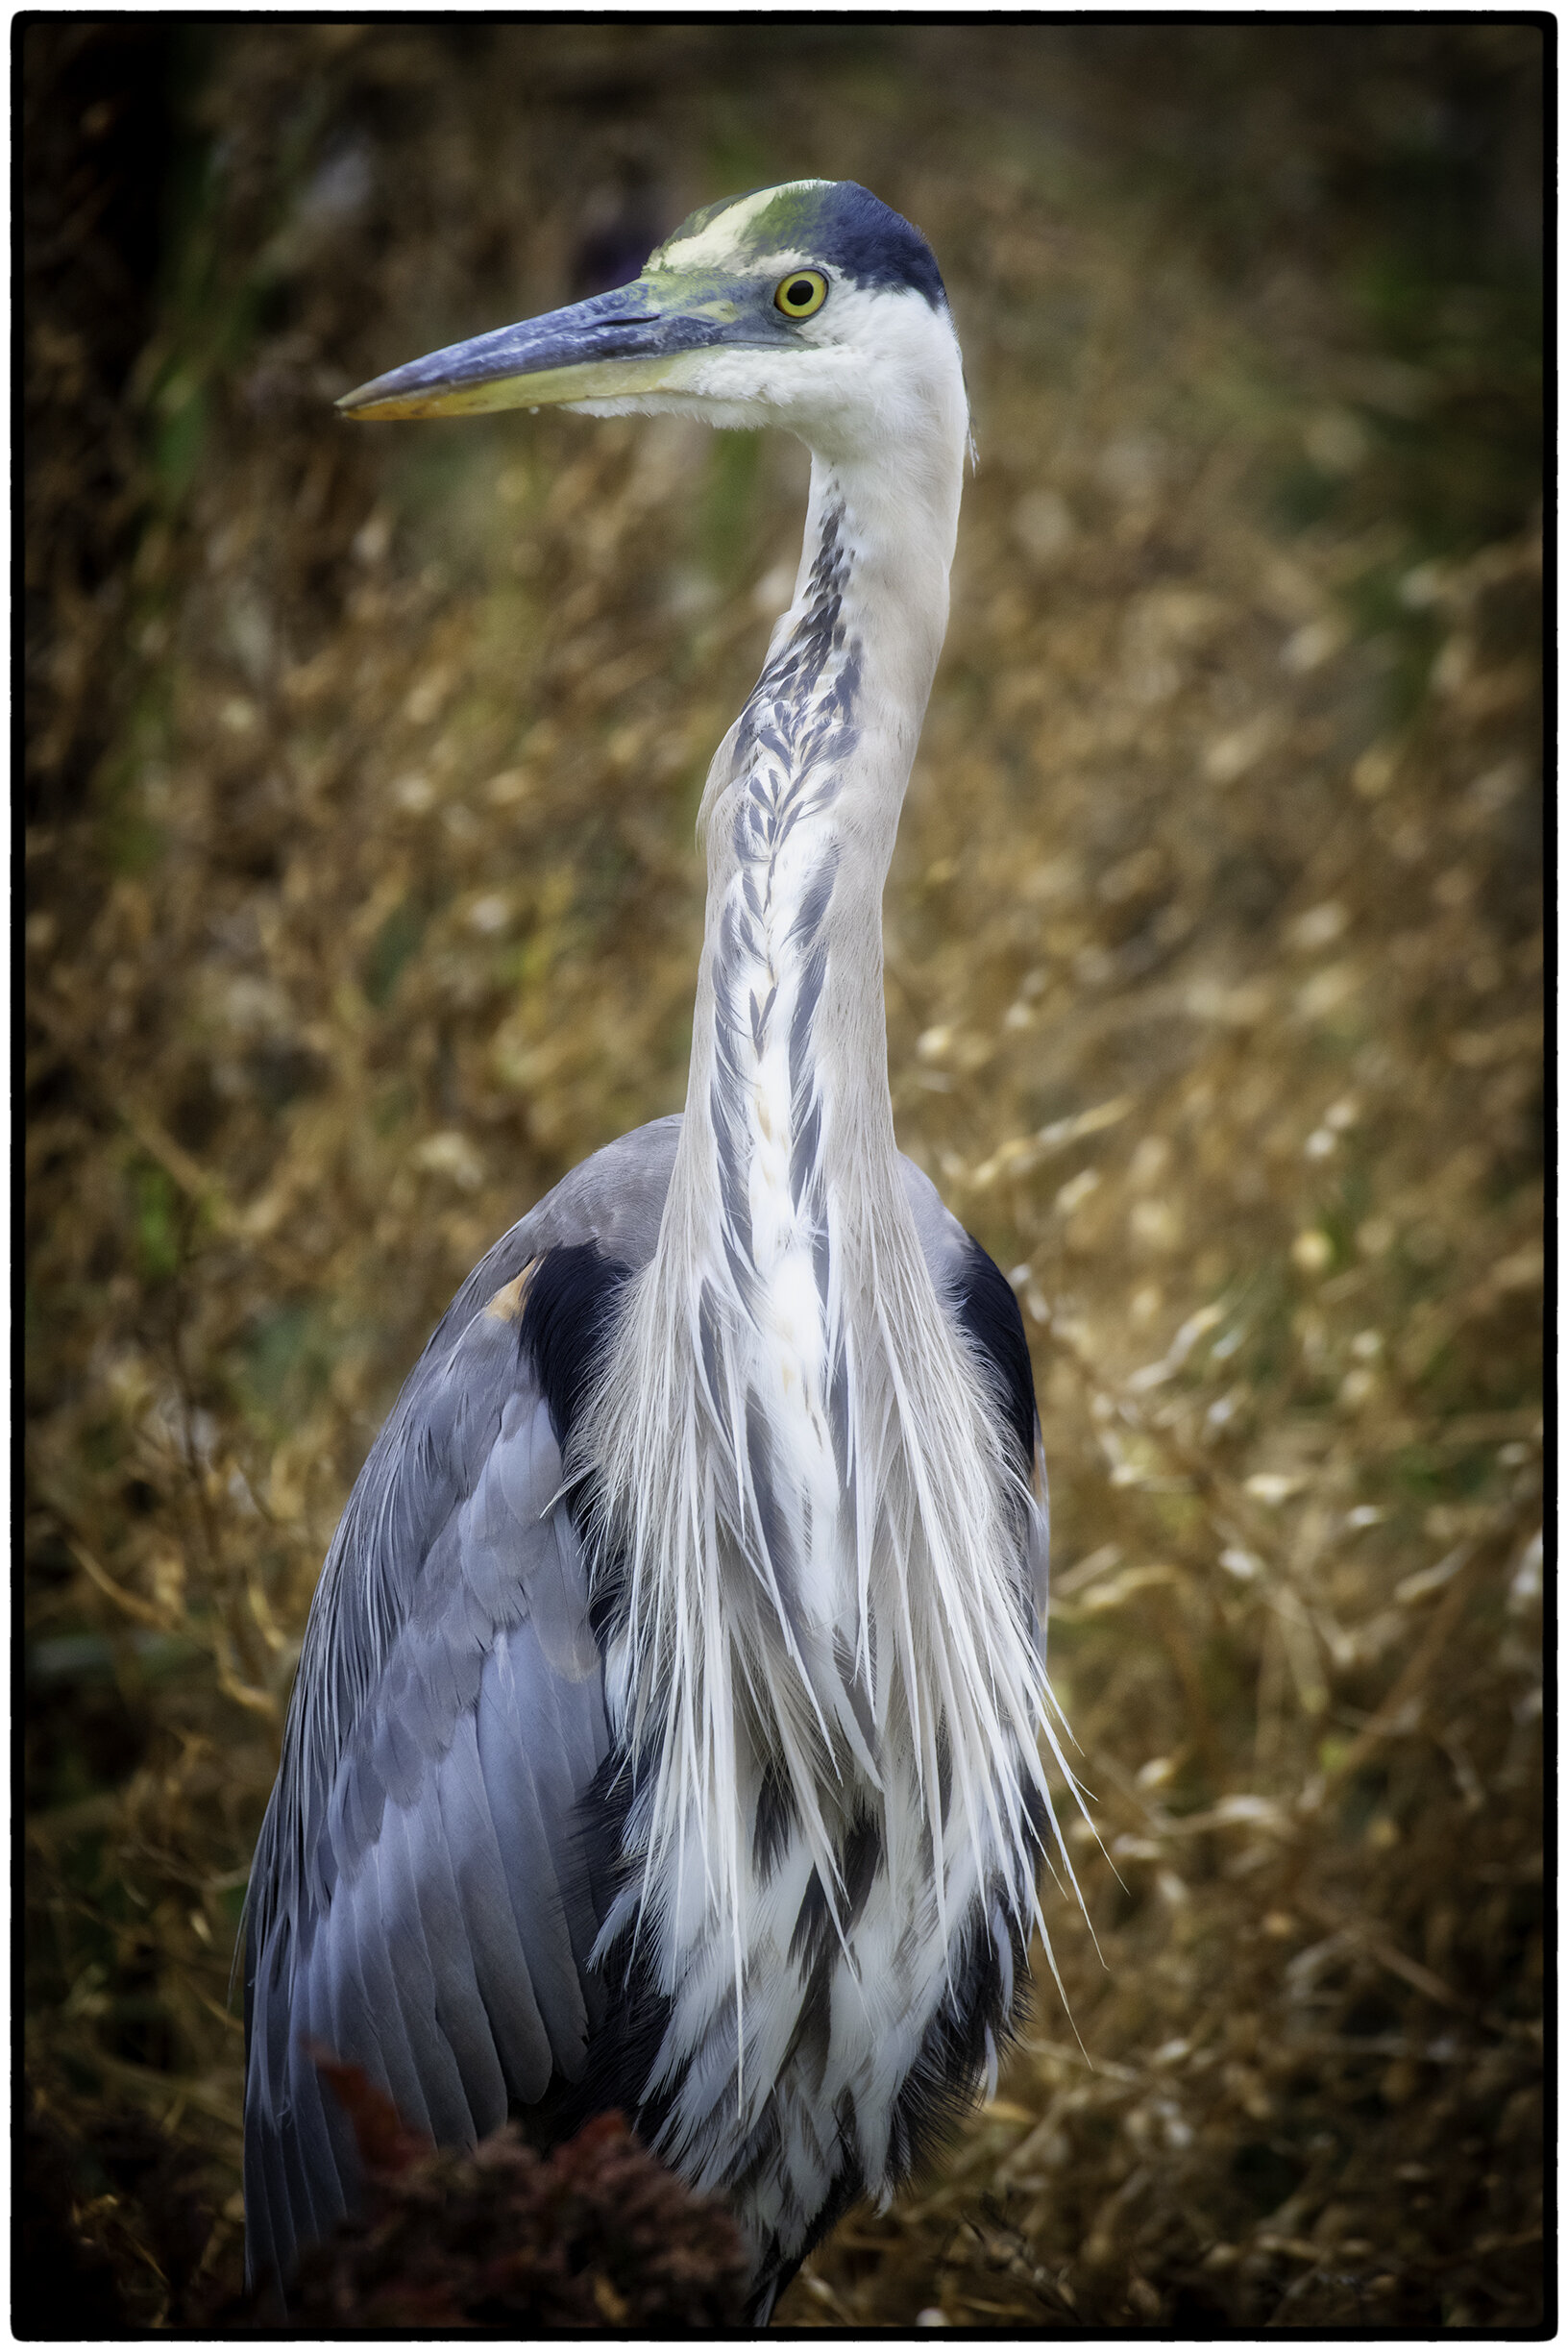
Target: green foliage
[158,1221]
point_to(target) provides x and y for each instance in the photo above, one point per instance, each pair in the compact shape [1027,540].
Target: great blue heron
[667,1734]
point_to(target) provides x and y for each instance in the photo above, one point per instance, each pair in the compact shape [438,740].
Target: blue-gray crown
[832,221]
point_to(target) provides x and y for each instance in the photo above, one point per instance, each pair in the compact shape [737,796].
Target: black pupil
[800,293]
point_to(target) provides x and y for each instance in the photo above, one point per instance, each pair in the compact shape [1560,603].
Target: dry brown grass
[363,903]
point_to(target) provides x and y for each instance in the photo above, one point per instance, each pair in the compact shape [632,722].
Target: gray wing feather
[459,2007]
[417,1904]
[263,2159]
[318,2157]
[510,1735]
[403,1926]
[501,1974]
[367,1963]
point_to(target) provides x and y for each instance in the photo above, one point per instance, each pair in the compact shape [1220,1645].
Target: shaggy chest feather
[835,1945]
[821,1659]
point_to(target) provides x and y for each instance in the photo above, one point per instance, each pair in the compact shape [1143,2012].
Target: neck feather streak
[803,1495]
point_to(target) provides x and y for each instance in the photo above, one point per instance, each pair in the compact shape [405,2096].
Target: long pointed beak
[629,342]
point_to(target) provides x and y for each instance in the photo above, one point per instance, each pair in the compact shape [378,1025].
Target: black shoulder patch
[567,1317]
[990,1313]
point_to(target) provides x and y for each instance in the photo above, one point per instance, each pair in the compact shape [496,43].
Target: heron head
[810,305]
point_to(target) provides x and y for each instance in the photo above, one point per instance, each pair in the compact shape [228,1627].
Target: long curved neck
[803,1505]
[787,1096]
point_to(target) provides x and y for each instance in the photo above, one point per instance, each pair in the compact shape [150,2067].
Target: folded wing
[419,1904]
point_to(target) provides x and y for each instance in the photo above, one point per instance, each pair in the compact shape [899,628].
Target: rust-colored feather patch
[507,1306]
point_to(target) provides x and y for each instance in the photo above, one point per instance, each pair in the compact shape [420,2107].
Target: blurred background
[363,901]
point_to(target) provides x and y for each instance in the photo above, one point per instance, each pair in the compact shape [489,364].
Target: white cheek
[787,379]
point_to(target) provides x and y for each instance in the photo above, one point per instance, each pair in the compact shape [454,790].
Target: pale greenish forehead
[834,223]
[746,228]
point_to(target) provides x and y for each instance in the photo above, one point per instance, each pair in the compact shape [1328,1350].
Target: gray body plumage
[667,1729]
[421,1905]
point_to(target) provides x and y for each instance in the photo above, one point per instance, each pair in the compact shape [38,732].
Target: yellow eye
[801,293]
